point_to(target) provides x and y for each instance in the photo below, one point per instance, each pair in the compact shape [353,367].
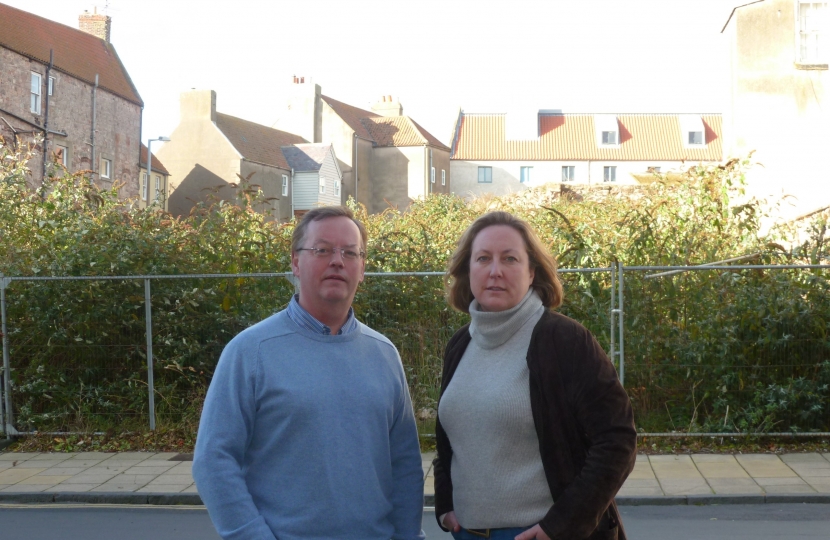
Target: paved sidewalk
[165,478]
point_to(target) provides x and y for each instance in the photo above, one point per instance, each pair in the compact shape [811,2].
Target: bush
[707,350]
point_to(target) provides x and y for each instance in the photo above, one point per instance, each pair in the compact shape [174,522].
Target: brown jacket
[584,422]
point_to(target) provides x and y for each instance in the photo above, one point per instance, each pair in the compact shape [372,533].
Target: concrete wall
[118,122]
[507,174]
[199,157]
[777,108]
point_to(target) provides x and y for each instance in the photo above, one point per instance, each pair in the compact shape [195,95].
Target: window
[284,185]
[322,185]
[144,186]
[158,187]
[35,101]
[485,175]
[443,177]
[695,137]
[106,168]
[568,173]
[337,187]
[432,175]
[813,23]
[655,170]
[51,86]
[607,129]
[62,155]
[525,174]
[609,174]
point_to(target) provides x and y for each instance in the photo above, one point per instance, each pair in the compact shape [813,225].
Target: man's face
[329,282]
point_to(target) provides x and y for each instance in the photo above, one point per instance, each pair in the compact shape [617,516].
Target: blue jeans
[495,534]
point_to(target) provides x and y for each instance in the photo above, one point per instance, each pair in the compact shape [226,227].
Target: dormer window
[607,129]
[692,130]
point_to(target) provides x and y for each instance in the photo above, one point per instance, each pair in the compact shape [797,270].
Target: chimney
[387,106]
[97,25]
[303,114]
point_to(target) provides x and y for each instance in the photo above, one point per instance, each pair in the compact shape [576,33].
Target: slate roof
[563,137]
[399,131]
[155,164]
[76,53]
[256,142]
[352,116]
[306,157]
[383,130]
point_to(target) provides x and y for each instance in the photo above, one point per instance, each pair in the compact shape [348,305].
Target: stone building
[210,153]
[70,88]
[386,158]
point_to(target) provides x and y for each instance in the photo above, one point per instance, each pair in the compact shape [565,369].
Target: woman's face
[500,273]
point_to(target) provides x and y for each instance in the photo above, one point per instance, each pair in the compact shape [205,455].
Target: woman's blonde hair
[545,281]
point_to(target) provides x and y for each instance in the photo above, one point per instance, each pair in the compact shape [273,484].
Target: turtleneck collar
[493,328]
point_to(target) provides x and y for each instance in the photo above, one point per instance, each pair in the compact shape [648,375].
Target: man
[307,429]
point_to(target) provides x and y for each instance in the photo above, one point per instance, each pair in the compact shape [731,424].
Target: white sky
[435,55]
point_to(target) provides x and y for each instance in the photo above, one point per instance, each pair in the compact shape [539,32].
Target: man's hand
[451,523]
[534,533]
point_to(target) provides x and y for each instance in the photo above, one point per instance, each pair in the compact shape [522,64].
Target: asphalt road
[727,522]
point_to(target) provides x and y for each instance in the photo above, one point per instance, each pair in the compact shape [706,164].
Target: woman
[535,434]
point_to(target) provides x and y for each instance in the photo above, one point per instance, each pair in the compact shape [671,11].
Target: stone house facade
[70,88]
[210,153]
[387,159]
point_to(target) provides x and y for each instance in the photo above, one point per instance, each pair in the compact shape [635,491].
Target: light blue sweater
[309,436]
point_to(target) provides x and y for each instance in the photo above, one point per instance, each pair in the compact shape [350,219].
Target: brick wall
[118,121]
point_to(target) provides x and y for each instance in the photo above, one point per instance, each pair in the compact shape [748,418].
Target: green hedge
[715,350]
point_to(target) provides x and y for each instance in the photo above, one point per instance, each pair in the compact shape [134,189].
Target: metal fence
[92,354]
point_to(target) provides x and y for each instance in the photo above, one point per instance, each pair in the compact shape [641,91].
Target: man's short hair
[320,213]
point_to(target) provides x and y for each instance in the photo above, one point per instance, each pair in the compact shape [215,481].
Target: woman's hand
[451,523]
[534,533]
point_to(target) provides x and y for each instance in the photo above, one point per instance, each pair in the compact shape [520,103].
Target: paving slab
[674,467]
[71,488]
[642,471]
[13,476]
[789,488]
[17,456]
[68,471]
[685,486]
[53,456]
[185,479]
[640,492]
[27,488]
[764,465]
[44,479]
[88,478]
[780,481]
[161,469]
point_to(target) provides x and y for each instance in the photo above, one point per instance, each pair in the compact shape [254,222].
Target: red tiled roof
[257,142]
[399,131]
[155,165]
[352,116]
[76,53]
[643,137]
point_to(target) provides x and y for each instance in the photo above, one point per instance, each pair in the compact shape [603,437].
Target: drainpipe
[92,141]
[354,164]
[46,121]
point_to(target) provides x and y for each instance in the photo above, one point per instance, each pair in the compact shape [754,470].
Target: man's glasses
[348,254]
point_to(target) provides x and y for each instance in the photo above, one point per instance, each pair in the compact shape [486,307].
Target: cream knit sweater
[497,475]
